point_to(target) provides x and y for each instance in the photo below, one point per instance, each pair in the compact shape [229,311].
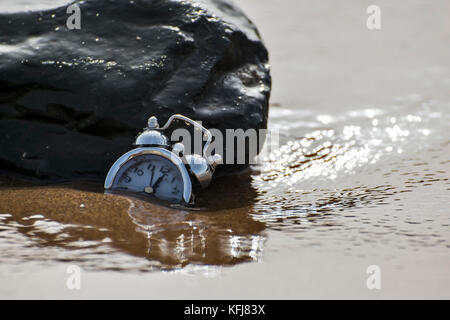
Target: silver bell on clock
[161,169]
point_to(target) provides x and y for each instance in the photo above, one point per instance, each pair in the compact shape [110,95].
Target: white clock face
[152,174]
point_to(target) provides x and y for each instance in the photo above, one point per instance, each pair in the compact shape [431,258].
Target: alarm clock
[157,168]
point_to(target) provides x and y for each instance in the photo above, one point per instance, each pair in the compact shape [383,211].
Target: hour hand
[152,188]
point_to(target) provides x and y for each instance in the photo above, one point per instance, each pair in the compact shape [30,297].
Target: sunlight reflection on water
[317,188]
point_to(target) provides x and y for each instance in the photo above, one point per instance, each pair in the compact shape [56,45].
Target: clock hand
[157,182]
[153,173]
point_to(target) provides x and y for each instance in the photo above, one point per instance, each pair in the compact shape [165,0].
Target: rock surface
[72,101]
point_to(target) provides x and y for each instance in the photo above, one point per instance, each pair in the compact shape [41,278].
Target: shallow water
[362,181]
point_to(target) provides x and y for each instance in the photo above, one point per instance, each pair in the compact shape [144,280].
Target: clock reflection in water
[151,174]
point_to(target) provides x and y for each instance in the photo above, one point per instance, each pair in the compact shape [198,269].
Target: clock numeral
[175,191]
[140,172]
[164,170]
[127,179]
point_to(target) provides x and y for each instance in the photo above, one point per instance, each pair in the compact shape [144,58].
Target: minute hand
[157,182]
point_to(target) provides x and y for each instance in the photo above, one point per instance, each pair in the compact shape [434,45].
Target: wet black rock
[72,101]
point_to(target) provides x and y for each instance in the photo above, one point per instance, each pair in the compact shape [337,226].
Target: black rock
[72,101]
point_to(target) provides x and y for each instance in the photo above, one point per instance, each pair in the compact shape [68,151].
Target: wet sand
[360,179]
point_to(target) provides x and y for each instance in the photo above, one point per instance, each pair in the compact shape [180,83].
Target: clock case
[153,141]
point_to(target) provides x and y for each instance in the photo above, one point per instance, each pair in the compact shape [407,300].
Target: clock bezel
[176,160]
